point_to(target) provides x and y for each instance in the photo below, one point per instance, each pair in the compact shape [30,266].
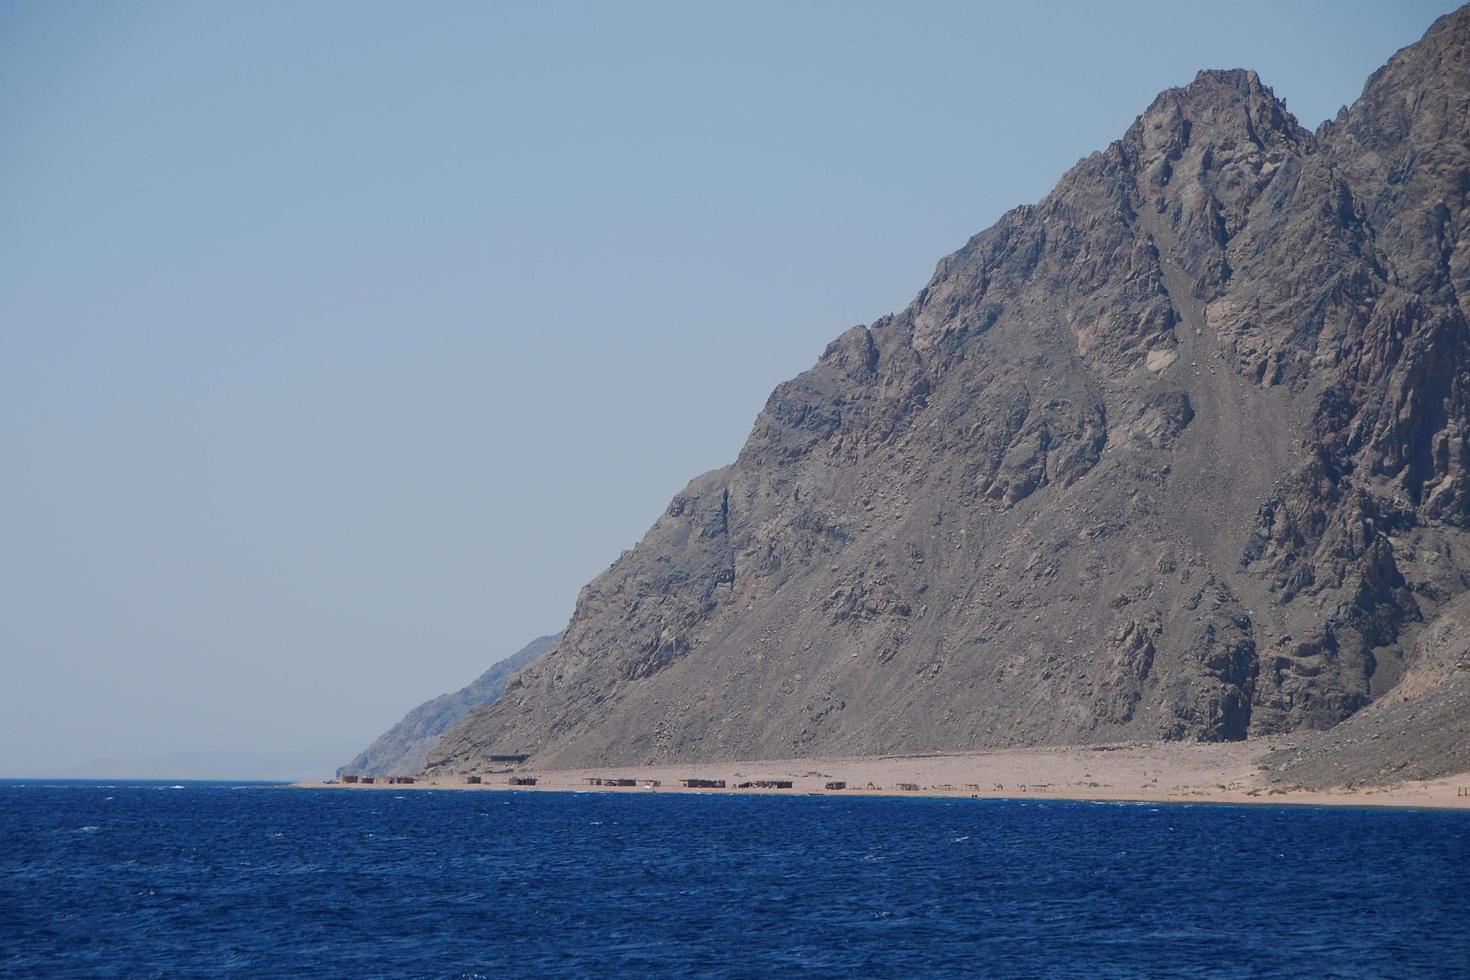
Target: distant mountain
[402,749]
[1180,452]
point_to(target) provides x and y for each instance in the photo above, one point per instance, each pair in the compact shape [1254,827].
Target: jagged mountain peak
[1228,103]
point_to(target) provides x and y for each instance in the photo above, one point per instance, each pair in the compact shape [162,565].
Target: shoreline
[1145,773]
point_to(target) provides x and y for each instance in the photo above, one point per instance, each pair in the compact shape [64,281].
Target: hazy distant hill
[402,749]
[1180,452]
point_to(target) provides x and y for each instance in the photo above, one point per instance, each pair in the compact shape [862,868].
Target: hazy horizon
[341,346]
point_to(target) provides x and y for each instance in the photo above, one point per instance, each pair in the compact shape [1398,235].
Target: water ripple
[208,883]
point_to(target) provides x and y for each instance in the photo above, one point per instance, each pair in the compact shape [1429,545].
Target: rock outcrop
[1181,451]
[404,749]
[1419,730]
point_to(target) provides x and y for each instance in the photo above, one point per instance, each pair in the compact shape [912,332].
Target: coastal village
[1130,772]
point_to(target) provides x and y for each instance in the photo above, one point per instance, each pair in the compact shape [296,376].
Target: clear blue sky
[341,344]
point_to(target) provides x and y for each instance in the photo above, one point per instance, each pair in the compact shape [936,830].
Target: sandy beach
[1139,772]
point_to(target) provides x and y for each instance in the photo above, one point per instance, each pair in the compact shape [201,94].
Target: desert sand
[1142,772]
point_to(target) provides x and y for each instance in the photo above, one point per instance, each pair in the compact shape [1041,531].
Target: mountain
[403,749]
[1180,452]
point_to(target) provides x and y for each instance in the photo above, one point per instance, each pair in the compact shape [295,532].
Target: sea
[133,879]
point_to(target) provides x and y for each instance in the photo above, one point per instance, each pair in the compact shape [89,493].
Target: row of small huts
[690,782]
[369,780]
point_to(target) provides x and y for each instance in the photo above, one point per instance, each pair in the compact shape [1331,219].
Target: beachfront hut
[523,780]
[368,779]
[349,779]
[472,780]
[837,784]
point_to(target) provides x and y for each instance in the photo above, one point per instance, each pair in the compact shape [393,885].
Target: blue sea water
[151,879]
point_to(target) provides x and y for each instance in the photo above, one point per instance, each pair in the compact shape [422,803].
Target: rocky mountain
[1181,451]
[403,749]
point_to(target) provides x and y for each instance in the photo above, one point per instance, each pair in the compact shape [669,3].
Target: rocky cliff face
[1180,451]
[404,749]
[1419,730]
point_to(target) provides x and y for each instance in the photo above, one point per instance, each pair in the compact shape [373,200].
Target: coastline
[1130,773]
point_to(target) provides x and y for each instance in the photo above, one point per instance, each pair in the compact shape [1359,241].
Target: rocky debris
[1419,730]
[1179,451]
[404,749]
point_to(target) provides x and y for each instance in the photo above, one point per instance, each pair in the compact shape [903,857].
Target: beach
[1157,772]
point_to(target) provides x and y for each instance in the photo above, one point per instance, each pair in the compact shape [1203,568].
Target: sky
[341,344]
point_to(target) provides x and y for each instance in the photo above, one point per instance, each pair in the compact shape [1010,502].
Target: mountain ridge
[403,749]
